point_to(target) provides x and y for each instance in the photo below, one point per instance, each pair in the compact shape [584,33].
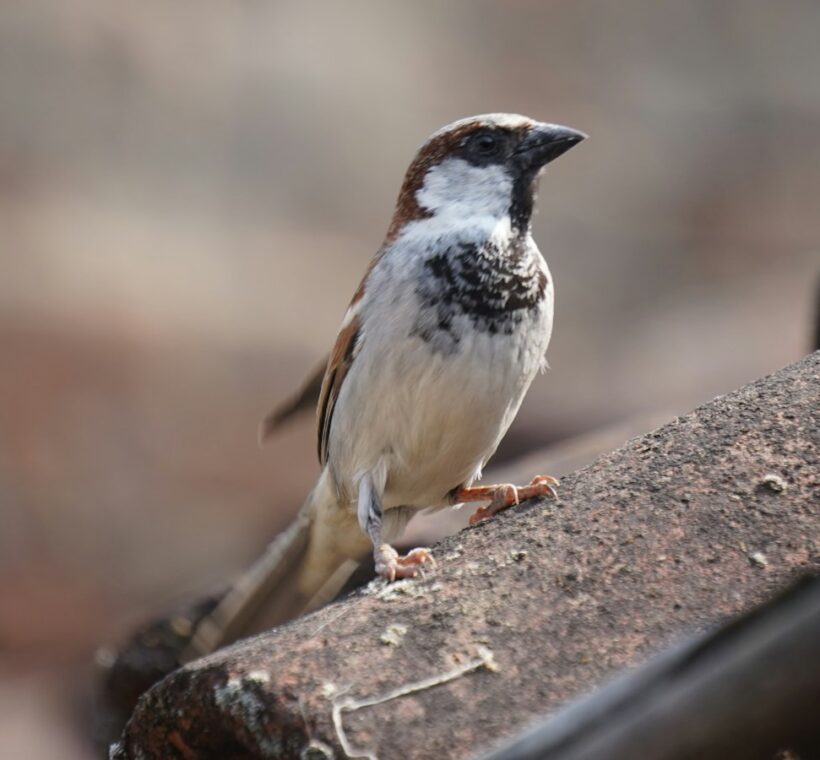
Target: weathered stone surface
[672,533]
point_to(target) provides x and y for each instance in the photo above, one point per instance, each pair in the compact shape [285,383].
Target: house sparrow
[433,357]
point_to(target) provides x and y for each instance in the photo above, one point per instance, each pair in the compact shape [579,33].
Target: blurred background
[190,192]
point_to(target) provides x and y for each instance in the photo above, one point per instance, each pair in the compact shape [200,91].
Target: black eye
[485,144]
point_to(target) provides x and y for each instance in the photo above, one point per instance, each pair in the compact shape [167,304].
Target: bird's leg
[503,496]
[389,563]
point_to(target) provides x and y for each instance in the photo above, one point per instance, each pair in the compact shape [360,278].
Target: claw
[547,485]
[482,513]
[505,496]
[391,565]
[539,479]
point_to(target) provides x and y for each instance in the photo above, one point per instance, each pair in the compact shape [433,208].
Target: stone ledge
[673,533]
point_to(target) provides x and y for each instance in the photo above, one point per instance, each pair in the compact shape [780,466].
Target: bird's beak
[545,142]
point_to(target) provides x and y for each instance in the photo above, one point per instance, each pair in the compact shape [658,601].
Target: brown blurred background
[189,193]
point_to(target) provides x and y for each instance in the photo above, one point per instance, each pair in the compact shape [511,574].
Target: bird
[440,343]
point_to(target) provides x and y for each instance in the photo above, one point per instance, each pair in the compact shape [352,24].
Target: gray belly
[431,419]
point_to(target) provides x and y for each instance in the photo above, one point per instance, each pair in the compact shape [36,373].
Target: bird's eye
[485,144]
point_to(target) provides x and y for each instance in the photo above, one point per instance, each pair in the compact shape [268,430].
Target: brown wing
[341,358]
[305,398]
[348,342]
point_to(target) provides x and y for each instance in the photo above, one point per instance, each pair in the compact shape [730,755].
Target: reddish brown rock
[673,533]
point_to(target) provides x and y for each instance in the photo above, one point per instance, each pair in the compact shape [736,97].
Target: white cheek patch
[457,189]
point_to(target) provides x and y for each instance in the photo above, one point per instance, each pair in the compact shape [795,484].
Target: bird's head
[483,167]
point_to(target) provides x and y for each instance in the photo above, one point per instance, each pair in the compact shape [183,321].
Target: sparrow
[434,355]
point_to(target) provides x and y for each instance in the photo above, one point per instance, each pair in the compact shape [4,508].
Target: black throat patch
[495,289]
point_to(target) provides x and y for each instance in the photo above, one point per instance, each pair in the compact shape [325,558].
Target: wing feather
[305,398]
[327,380]
[341,358]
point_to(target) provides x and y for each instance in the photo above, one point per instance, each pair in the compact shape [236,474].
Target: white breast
[426,422]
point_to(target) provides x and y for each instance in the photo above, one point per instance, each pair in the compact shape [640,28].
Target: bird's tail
[303,568]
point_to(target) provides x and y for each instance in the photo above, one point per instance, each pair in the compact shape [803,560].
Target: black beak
[544,143]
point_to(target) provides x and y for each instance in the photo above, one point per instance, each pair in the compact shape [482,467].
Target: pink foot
[506,496]
[390,565]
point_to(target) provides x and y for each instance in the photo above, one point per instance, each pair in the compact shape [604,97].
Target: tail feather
[301,569]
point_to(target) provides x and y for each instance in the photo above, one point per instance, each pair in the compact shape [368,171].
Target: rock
[528,610]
